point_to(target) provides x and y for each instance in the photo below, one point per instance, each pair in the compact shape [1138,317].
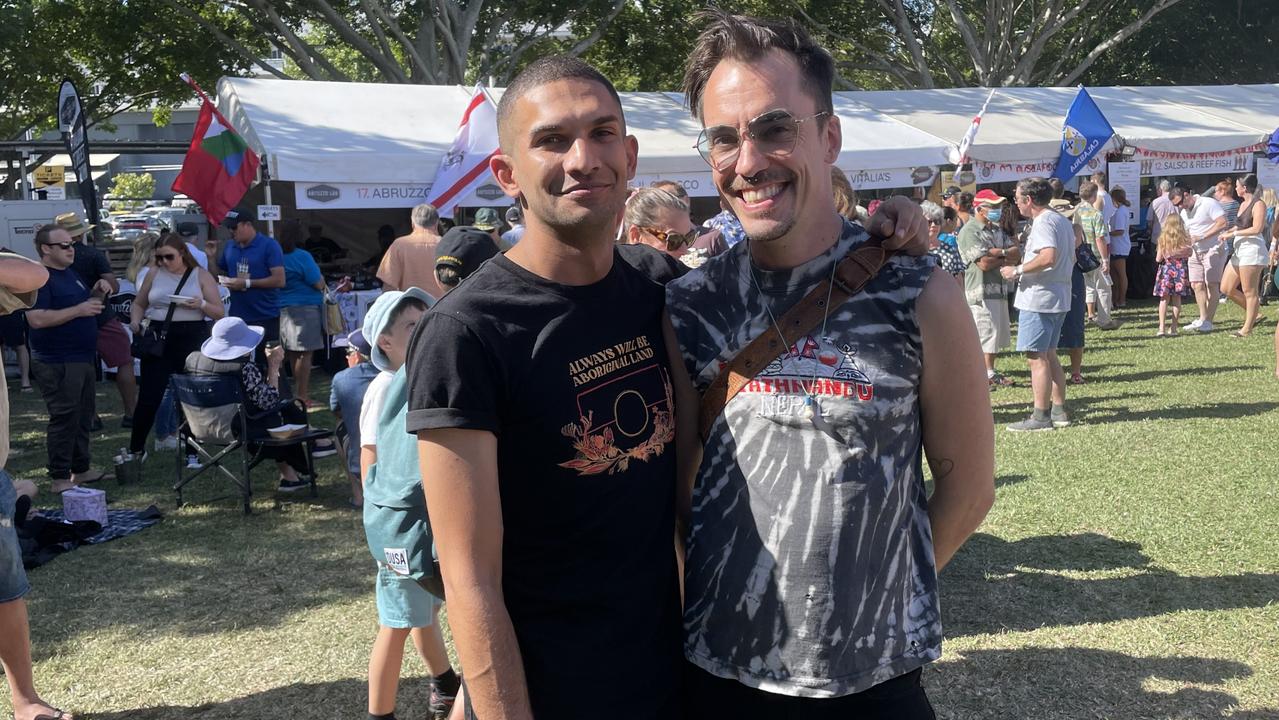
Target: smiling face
[774,195]
[569,158]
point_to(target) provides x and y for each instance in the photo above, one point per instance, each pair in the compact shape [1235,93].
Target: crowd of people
[530,420]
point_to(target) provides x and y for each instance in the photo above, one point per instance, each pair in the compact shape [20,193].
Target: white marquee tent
[380,144]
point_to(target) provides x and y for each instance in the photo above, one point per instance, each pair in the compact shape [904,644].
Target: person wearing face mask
[986,247]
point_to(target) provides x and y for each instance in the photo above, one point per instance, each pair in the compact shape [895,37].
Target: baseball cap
[951,191]
[464,248]
[988,197]
[71,222]
[235,217]
[356,340]
[486,219]
[514,214]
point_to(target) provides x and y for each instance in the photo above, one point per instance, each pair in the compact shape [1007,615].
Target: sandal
[1161,334]
[1076,379]
[1239,334]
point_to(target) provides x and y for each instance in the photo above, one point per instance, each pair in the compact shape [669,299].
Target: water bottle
[242,269]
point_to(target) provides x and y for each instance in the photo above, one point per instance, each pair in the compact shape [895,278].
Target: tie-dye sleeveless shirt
[810,565]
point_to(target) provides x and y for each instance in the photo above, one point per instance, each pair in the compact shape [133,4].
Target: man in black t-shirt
[542,394]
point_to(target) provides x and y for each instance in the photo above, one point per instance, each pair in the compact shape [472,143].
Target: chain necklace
[811,407]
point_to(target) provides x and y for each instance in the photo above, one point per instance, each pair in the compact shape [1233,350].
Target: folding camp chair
[215,426]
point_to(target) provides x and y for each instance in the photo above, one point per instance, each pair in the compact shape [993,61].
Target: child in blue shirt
[393,496]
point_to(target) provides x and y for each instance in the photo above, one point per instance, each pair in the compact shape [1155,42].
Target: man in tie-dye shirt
[813,550]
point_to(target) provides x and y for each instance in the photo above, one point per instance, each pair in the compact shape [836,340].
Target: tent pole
[266,179]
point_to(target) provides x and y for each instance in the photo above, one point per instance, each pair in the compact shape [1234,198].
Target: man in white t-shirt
[1204,219]
[1043,300]
[1104,202]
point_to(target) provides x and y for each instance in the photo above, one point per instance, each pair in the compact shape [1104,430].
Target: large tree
[121,55]
[402,41]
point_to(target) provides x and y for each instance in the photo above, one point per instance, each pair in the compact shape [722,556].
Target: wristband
[248,283]
[1019,270]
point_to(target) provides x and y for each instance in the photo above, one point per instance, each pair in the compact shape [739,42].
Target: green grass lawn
[1127,570]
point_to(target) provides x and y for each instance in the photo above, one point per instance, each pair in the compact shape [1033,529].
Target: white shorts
[993,327]
[1250,250]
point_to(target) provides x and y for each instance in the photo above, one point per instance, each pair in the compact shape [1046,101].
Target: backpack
[396,526]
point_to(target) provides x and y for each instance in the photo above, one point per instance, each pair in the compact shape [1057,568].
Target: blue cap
[379,316]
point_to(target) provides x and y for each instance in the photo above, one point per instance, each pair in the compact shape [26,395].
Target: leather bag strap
[851,275]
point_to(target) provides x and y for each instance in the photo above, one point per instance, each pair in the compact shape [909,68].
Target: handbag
[1086,259]
[333,322]
[150,342]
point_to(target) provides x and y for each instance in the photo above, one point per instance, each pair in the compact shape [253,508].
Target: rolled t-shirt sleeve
[371,407]
[453,377]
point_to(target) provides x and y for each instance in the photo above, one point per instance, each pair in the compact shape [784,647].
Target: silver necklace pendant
[811,408]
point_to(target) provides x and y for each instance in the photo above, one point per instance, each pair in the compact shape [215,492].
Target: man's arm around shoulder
[459,475]
[958,428]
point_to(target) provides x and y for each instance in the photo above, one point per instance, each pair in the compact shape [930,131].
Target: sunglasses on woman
[166,257]
[673,240]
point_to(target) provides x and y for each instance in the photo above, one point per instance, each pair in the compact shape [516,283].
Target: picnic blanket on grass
[48,535]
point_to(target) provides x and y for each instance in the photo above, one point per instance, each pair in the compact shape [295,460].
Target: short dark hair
[746,38]
[447,276]
[1059,188]
[1179,189]
[541,72]
[1037,189]
[966,202]
[42,237]
[290,236]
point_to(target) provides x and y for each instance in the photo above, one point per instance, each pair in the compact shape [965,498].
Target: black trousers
[708,696]
[183,339]
[288,414]
[68,394]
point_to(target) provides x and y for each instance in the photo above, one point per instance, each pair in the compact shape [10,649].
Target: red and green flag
[219,167]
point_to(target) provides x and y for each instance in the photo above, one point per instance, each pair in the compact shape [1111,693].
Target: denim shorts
[1038,331]
[402,602]
[13,579]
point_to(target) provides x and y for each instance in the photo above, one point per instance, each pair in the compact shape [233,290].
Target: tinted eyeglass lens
[165,258]
[774,133]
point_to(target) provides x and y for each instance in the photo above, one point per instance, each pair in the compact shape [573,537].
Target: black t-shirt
[654,263]
[575,382]
[91,264]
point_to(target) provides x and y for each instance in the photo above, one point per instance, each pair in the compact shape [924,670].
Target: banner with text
[1231,162]
[1268,173]
[1127,175]
[997,172]
[695,184]
[891,177]
[364,196]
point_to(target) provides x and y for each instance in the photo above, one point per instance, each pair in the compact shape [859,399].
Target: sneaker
[288,486]
[1192,325]
[440,704]
[1030,424]
[166,443]
[324,448]
[1059,419]
[999,380]
[1204,327]
[1114,324]
[193,462]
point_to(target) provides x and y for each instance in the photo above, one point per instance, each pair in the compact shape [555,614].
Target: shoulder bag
[150,342]
[858,267]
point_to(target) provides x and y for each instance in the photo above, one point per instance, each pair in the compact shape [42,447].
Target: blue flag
[1085,132]
[1272,147]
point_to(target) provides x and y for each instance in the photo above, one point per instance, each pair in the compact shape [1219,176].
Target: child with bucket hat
[395,520]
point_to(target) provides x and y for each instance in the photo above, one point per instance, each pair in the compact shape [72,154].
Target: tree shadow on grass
[202,574]
[1004,480]
[1074,682]
[1216,411]
[1079,407]
[993,585]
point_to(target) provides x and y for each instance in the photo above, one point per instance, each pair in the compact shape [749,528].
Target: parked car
[129,227]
